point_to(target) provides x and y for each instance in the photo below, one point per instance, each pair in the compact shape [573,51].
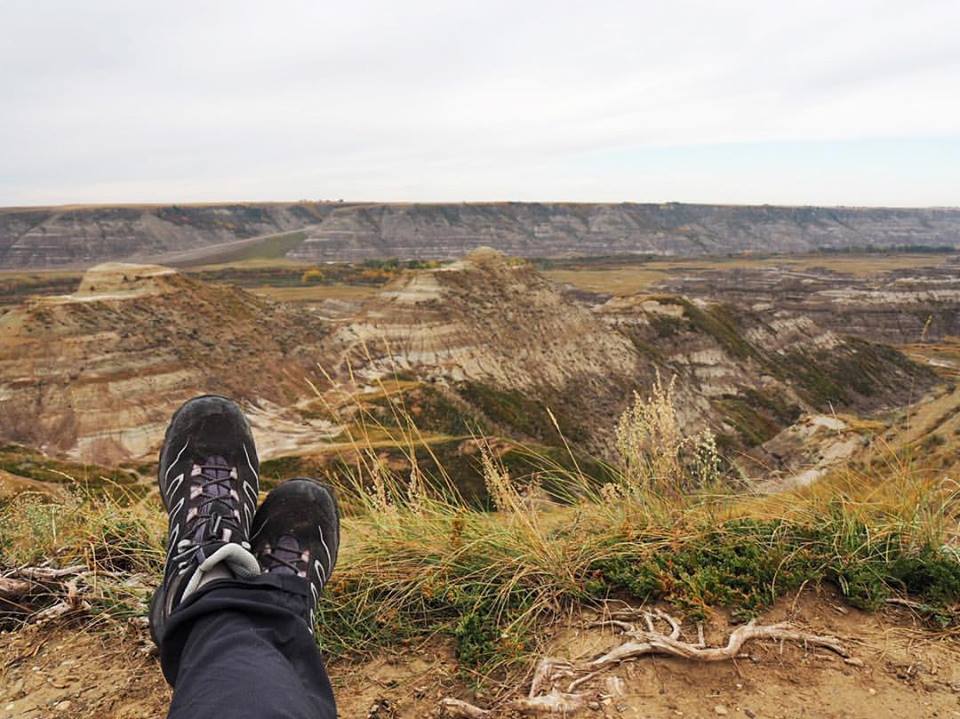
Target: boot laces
[284,558]
[287,558]
[208,527]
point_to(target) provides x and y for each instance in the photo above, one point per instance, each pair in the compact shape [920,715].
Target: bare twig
[47,574]
[909,604]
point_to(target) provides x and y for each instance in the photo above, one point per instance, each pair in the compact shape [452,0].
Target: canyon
[483,346]
[36,237]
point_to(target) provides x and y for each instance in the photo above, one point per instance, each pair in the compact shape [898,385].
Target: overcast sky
[834,102]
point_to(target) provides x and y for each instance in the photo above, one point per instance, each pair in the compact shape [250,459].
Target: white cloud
[118,101]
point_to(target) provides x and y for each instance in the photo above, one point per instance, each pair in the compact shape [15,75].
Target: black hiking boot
[296,531]
[209,484]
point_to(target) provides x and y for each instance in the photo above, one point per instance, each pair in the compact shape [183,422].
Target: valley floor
[59,670]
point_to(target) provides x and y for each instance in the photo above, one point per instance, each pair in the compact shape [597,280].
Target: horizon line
[407,203]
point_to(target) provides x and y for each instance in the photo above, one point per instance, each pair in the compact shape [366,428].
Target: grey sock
[221,571]
[229,561]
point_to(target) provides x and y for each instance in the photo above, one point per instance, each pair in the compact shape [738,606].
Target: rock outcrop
[899,307]
[96,374]
[495,331]
[46,237]
[558,229]
[40,237]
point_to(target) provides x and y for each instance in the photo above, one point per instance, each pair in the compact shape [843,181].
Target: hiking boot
[209,483]
[296,532]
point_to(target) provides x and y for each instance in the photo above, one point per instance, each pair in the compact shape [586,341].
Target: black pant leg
[242,648]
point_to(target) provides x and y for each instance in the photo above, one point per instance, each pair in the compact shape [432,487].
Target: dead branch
[908,603]
[582,680]
[555,702]
[14,588]
[45,581]
[47,574]
[656,643]
[619,624]
[548,670]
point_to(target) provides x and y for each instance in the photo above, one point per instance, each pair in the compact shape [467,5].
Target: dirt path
[907,672]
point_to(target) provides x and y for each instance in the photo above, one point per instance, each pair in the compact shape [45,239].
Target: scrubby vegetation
[495,580]
[664,526]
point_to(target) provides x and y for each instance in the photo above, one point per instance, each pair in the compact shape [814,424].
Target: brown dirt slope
[56,671]
[95,374]
[511,343]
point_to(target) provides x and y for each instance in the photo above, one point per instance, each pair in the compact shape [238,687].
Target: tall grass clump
[92,529]
[656,456]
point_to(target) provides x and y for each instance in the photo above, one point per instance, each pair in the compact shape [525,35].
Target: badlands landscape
[745,413]
[338,231]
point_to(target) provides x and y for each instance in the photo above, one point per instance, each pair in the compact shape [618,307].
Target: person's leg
[243,649]
[209,485]
[234,614]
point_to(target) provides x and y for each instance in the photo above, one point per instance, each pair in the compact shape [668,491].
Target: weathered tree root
[545,697]
[647,642]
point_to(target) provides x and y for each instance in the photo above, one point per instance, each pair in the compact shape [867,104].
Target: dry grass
[418,562]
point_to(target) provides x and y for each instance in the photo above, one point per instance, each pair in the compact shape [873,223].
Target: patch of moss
[27,463]
[746,564]
[430,409]
[857,369]
[667,326]
[816,385]
[752,427]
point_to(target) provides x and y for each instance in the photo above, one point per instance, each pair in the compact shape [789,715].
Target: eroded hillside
[899,306]
[510,344]
[44,237]
[96,374]
[486,344]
